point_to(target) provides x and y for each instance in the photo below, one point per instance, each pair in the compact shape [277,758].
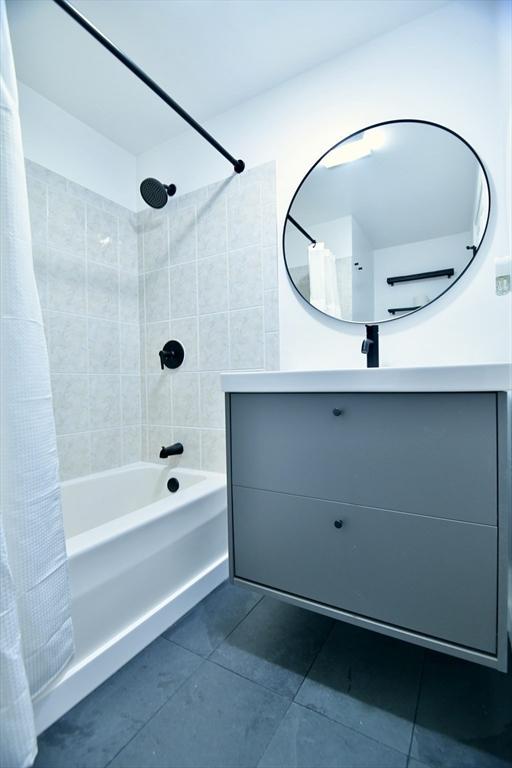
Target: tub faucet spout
[172,450]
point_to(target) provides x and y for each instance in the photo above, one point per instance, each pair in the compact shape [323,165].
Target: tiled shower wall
[205,269]
[209,279]
[86,263]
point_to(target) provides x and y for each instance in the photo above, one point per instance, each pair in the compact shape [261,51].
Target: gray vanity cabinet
[381,509]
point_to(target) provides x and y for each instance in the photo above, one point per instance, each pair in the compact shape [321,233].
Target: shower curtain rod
[238,165]
[301,230]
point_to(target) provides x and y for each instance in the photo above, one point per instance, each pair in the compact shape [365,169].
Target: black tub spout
[172,450]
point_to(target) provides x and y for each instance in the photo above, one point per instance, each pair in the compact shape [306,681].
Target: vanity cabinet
[387,510]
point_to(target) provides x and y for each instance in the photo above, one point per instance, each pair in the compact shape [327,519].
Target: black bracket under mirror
[172,355]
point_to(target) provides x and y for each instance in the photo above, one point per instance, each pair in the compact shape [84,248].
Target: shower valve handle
[172,355]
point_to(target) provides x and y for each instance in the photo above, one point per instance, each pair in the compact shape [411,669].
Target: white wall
[448,67]
[58,141]
[362,279]
[409,258]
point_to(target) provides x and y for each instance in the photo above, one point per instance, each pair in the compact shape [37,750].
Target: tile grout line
[350,728]
[274,732]
[250,680]
[330,632]
[105,765]
[420,685]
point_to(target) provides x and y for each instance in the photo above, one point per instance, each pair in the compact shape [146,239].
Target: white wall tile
[66,223]
[101,236]
[271,311]
[212,284]
[66,283]
[211,401]
[246,338]
[272,351]
[74,453]
[182,234]
[156,289]
[245,278]
[244,218]
[269,259]
[70,394]
[102,291]
[106,449]
[103,346]
[128,243]
[269,224]
[128,297]
[132,444]
[213,342]
[104,401]
[213,450]
[130,400]
[183,282]
[212,227]
[159,399]
[129,348]
[185,399]
[87,344]
[67,342]
[156,249]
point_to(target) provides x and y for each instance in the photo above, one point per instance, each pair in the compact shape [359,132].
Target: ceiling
[419,184]
[208,54]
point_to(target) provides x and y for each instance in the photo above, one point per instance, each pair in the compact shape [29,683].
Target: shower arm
[301,230]
[238,165]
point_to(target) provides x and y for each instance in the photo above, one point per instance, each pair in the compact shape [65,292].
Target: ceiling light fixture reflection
[349,151]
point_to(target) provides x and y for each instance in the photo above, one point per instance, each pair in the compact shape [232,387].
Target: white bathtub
[139,558]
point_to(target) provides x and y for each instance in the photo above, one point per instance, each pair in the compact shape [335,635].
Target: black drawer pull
[337,411]
[338,523]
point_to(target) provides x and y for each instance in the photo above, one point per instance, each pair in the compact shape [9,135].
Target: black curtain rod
[238,165]
[301,230]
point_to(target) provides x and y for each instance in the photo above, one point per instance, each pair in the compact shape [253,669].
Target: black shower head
[155,194]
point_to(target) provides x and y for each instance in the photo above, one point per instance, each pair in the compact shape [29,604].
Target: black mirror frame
[475,249]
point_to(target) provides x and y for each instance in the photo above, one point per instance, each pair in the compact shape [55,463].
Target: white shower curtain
[323,280]
[36,636]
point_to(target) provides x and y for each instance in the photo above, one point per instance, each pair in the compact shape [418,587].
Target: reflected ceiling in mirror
[386,221]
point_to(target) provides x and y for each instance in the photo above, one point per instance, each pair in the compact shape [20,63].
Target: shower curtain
[36,636]
[323,280]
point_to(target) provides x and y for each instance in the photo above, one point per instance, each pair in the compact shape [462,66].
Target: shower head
[155,194]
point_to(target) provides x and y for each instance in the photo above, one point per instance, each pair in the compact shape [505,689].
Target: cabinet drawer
[436,577]
[431,454]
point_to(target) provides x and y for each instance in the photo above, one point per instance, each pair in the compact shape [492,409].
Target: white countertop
[488,377]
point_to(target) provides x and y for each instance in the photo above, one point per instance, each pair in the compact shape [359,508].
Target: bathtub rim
[214,484]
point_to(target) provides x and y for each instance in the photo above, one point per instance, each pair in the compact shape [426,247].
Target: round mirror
[386,221]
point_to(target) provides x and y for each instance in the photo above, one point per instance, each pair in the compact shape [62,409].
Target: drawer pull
[337,411]
[338,523]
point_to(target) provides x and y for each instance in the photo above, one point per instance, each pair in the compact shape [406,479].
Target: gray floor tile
[306,739]
[216,719]
[95,730]
[464,717]
[275,645]
[368,682]
[210,622]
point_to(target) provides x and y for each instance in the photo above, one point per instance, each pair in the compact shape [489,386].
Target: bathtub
[139,558]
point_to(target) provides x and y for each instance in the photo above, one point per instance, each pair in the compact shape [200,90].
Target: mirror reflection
[386,221]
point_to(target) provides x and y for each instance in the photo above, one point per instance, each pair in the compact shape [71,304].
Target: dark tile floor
[244,681]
